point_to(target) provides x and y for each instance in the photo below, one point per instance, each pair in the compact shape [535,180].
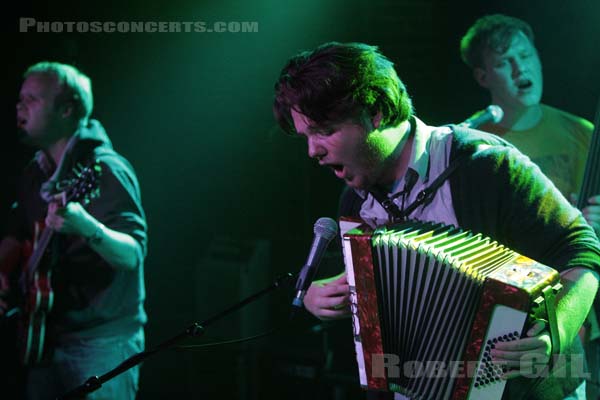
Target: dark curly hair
[340,81]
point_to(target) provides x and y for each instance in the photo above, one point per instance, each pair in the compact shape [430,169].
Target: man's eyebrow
[320,128]
[308,129]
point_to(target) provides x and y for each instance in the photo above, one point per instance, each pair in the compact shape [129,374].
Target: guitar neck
[82,187]
[591,178]
[39,251]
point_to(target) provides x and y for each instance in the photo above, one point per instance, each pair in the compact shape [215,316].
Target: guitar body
[38,299]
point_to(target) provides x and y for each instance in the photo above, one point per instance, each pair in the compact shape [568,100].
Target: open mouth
[21,122]
[338,169]
[524,84]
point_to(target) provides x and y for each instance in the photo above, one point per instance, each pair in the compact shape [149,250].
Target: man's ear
[376,119]
[480,77]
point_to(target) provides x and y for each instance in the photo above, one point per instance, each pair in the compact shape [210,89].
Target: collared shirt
[429,158]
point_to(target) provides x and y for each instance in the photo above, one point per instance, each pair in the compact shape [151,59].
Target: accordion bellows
[428,303]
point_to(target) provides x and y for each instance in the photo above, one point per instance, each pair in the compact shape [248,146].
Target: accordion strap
[549,296]
[549,303]
[426,195]
[423,198]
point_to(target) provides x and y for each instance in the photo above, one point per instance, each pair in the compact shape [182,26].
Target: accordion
[429,302]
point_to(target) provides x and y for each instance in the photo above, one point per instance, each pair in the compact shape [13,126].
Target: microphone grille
[326,227]
[496,112]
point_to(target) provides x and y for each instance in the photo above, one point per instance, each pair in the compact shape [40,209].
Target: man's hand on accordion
[527,355]
[329,298]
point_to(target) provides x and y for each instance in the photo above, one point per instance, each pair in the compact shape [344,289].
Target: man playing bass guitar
[501,52]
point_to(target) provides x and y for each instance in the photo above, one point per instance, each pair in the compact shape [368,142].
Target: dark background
[230,199]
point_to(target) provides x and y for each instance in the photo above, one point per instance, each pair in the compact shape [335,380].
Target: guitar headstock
[82,184]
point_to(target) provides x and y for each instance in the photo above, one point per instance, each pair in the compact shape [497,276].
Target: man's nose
[518,67]
[315,149]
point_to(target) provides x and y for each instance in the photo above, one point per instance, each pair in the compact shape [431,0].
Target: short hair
[493,32]
[75,85]
[340,81]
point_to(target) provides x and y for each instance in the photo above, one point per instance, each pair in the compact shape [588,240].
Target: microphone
[325,229]
[492,113]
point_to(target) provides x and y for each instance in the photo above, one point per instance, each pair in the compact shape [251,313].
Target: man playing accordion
[347,101]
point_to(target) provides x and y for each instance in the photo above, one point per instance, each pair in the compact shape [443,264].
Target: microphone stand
[196,329]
